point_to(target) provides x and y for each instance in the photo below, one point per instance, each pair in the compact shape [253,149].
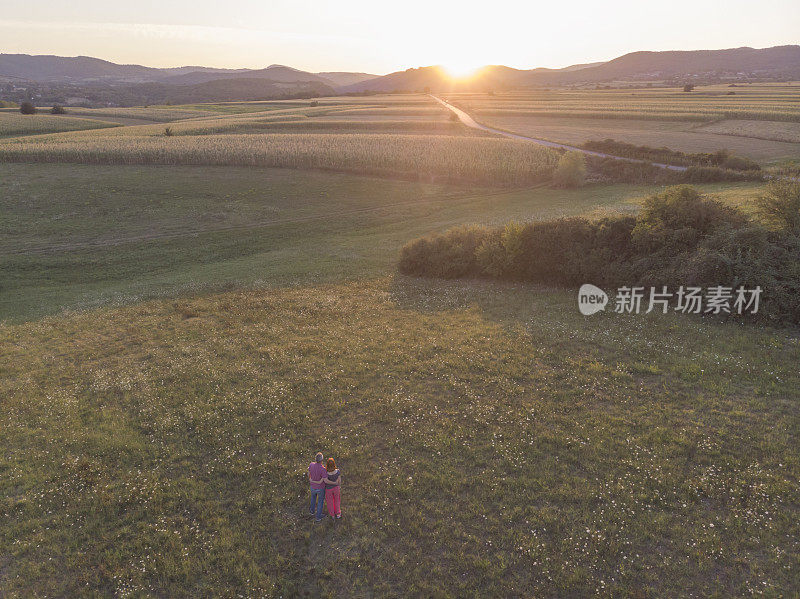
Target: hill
[241,89]
[85,69]
[276,73]
[342,78]
[780,62]
[217,90]
[777,62]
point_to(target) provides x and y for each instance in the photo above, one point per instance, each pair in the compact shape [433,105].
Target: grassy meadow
[186,318]
[493,442]
[122,233]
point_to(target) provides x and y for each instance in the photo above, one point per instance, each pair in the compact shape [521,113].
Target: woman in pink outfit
[333,483]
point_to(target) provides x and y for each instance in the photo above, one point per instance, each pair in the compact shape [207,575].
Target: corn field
[425,157]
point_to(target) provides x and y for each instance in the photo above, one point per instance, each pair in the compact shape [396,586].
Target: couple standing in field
[325,484]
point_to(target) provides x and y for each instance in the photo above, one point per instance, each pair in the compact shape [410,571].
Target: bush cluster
[623,171]
[679,238]
[27,108]
[720,159]
[571,171]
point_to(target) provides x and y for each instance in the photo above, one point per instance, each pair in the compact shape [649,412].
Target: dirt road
[470,122]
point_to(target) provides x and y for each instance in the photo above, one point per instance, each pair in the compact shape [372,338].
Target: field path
[470,122]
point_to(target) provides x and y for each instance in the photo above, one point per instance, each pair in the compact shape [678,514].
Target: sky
[382,37]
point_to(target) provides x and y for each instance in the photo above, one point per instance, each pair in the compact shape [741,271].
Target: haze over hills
[85,69]
[92,81]
[780,62]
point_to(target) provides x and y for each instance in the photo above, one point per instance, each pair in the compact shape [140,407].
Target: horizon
[452,71]
[377,40]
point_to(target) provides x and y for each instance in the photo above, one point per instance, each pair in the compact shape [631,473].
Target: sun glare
[460,70]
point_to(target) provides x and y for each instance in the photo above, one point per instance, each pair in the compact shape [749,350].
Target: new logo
[591,299]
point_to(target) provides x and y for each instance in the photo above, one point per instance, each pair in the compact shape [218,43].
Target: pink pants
[332,501]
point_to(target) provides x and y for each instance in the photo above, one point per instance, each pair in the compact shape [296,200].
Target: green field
[493,442]
[120,233]
[182,325]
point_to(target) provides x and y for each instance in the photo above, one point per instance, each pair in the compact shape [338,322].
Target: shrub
[714,174]
[571,171]
[781,205]
[679,238]
[682,207]
[168,132]
[688,87]
[27,108]
[449,256]
[721,158]
[58,109]
[625,171]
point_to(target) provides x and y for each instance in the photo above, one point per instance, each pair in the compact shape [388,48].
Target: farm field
[13,124]
[774,131]
[123,233]
[758,121]
[386,145]
[769,102]
[677,135]
[190,307]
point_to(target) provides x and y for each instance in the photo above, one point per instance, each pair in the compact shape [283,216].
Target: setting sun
[460,70]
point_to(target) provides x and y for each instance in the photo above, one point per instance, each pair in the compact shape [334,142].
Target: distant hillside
[578,67]
[278,73]
[96,81]
[777,62]
[84,69]
[49,68]
[343,78]
[239,89]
